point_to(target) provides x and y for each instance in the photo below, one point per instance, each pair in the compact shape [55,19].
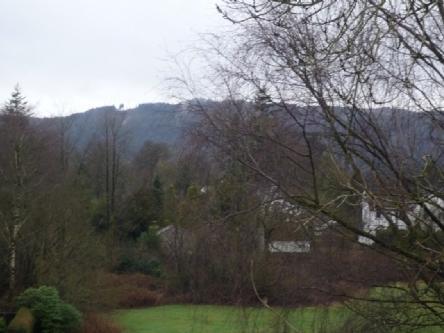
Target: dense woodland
[72,210]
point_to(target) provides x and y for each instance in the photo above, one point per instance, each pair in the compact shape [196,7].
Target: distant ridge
[167,123]
[156,122]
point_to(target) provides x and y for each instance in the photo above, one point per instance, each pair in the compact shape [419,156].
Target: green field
[224,319]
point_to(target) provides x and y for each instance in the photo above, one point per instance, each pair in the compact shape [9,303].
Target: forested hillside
[156,122]
[170,123]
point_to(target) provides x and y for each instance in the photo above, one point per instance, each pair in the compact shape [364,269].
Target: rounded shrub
[71,318]
[23,322]
[52,314]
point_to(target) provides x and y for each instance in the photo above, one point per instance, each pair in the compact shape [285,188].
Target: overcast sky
[72,55]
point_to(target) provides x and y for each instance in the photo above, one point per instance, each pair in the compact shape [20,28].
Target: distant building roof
[289,247]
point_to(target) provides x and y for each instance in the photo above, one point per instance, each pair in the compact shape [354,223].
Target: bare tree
[355,83]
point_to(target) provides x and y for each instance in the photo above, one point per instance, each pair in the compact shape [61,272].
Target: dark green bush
[2,325]
[52,314]
[150,239]
[133,265]
[23,322]
[70,317]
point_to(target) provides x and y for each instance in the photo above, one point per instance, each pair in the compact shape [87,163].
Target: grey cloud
[84,53]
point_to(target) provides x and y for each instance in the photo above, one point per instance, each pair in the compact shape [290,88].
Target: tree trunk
[13,260]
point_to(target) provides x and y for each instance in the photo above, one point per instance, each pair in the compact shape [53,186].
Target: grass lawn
[225,319]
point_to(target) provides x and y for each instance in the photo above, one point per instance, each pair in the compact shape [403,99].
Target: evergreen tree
[14,159]
[157,197]
[17,104]
[16,112]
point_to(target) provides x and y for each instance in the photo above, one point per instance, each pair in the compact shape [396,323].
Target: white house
[289,246]
[374,219]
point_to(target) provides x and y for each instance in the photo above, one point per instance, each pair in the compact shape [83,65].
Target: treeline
[193,217]
[72,214]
